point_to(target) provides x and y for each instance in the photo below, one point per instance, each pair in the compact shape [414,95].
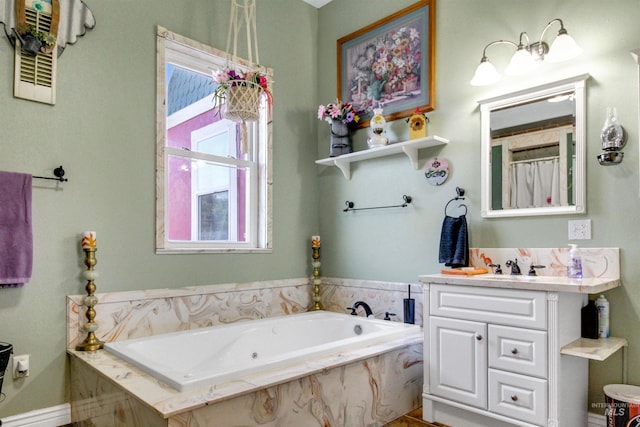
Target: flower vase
[340,139]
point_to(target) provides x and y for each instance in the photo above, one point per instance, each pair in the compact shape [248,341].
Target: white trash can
[623,405]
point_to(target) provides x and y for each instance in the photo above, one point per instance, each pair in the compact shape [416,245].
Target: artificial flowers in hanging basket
[241,92]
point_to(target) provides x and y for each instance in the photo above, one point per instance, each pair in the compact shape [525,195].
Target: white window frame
[186,53]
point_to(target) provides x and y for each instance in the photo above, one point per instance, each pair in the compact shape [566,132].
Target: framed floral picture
[390,64]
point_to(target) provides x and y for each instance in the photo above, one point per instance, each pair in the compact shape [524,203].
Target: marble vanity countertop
[534,283]
[169,401]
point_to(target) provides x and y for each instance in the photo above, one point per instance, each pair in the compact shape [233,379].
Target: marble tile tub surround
[367,387]
[596,262]
[133,314]
[103,385]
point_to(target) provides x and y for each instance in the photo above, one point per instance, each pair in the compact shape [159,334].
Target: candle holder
[91,342]
[315,281]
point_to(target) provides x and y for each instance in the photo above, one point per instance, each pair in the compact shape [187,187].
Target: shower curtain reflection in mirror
[535,184]
[534,169]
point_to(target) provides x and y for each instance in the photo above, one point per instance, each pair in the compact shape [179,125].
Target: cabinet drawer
[519,350]
[500,306]
[517,396]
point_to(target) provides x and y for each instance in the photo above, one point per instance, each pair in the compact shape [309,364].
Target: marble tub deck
[168,403]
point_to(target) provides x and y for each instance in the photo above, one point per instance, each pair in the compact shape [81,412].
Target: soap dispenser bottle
[574,263]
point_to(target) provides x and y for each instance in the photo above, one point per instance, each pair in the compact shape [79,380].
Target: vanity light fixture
[528,55]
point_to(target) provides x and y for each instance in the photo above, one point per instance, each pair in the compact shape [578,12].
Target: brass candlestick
[316,278]
[90,343]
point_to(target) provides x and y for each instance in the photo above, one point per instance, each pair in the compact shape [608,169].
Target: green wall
[399,245]
[102,130]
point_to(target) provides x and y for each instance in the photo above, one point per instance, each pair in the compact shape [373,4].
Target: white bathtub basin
[217,354]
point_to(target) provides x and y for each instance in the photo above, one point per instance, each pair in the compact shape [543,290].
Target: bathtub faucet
[364,305]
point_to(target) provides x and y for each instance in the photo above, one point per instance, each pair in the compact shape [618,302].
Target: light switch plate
[580,229]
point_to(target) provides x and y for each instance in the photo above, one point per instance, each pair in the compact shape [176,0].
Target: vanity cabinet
[495,353]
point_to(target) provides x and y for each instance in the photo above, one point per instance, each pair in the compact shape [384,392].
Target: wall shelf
[594,349]
[410,148]
[599,349]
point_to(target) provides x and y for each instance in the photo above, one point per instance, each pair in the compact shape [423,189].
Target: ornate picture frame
[390,64]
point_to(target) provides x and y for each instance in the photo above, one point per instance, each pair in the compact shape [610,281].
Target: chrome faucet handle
[515,269]
[498,269]
[532,269]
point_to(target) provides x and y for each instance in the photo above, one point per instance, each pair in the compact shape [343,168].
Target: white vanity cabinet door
[517,396]
[458,360]
[518,350]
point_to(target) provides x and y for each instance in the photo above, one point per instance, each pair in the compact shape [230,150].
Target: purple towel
[16,236]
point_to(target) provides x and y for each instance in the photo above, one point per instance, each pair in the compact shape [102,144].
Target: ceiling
[317,3]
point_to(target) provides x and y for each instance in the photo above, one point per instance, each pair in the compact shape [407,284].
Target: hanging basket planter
[240,93]
[243,102]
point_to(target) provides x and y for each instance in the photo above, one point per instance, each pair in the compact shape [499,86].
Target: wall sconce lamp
[527,55]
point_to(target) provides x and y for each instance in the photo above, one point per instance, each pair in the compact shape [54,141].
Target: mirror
[533,150]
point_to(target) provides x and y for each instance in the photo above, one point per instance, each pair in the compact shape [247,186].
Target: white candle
[89,240]
[315,241]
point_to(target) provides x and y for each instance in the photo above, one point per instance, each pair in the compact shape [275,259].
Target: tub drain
[254,355]
[357,329]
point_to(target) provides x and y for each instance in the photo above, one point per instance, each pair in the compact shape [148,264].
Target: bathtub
[189,359]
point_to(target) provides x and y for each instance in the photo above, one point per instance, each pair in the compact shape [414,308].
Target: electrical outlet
[580,229]
[20,366]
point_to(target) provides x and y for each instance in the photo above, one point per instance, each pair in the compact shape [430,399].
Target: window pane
[213,214]
[204,197]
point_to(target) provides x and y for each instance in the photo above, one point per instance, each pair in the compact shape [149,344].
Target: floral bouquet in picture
[341,117]
[241,91]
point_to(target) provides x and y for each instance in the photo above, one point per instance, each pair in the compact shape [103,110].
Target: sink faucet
[515,270]
[364,305]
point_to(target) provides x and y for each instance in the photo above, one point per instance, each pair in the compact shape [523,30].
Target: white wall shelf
[410,148]
[599,349]
[595,349]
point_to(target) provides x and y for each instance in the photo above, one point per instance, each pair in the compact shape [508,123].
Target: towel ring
[459,196]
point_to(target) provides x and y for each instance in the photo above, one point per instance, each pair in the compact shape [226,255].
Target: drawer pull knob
[479,337]
[514,398]
[514,351]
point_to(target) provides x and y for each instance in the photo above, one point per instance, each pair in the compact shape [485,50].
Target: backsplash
[133,314]
[596,262]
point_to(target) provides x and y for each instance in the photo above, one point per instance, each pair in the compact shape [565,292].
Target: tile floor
[412,419]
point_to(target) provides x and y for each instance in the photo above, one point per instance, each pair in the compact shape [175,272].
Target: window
[211,197]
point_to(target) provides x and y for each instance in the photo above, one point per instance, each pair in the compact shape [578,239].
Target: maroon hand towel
[16,236]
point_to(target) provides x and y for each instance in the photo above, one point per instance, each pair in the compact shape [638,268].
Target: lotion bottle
[574,264]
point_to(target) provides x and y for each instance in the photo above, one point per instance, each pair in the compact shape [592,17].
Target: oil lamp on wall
[377,124]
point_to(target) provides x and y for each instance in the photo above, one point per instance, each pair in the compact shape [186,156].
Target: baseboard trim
[54,416]
[595,420]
